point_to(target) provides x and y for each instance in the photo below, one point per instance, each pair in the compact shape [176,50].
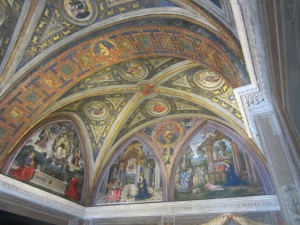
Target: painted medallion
[96,110]
[106,51]
[158,107]
[79,12]
[208,80]
[167,136]
[133,70]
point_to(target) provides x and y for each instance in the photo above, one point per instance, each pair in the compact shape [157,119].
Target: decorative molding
[24,192]
[250,204]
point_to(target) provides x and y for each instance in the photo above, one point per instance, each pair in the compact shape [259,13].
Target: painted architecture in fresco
[52,159]
[214,166]
[133,177]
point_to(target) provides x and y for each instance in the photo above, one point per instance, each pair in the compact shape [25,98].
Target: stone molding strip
[234,205]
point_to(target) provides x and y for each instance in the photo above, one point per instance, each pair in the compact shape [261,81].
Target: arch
[251,150]
[126,144]
[57,119]
[81,60]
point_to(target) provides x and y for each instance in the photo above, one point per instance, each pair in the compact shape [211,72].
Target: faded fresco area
[214,166]
[133,177]
[52,160]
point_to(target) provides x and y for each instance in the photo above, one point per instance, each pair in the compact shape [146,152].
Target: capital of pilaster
[252,102]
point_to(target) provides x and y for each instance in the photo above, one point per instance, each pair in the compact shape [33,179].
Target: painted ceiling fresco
[109,102]
[59,20]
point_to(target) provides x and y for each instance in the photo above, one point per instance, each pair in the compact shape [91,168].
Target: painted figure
[61,148]
[61,152]
[142,189]
[231,178]
[43,138]
[168,151]
[77,158]
[72,190]
[115,191]
[106,51]
[133,69]
[159,108]
[26,171]
[96,110]
[187,181]
[79,9]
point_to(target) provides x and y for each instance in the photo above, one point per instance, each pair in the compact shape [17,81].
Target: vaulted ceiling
[125,65]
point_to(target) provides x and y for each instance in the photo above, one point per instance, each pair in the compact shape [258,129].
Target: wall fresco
[214,166]
[204,164]
[133,177]
[52,159]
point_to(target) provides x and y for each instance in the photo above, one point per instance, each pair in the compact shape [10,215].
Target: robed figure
[186,181]
[231,177]
[115,191]
[26,171]
[142,189]
[72,190]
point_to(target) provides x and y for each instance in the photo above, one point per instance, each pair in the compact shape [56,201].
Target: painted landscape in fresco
[52,160]
[133,177]
[213,166]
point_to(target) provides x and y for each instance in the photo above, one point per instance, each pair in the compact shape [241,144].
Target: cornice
[26,193]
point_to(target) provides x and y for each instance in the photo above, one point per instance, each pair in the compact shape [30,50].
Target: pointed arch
[82,148]
[144,141]
[250,149]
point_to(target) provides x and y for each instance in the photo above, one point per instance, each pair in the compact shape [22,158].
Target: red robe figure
[26,171]
[116,191]
[72,190]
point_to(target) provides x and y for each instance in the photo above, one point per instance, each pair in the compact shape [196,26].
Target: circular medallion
[158,107]
[106,51]
[208,80]
[133,70]
[168,134]
[96,110]
[79,12]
